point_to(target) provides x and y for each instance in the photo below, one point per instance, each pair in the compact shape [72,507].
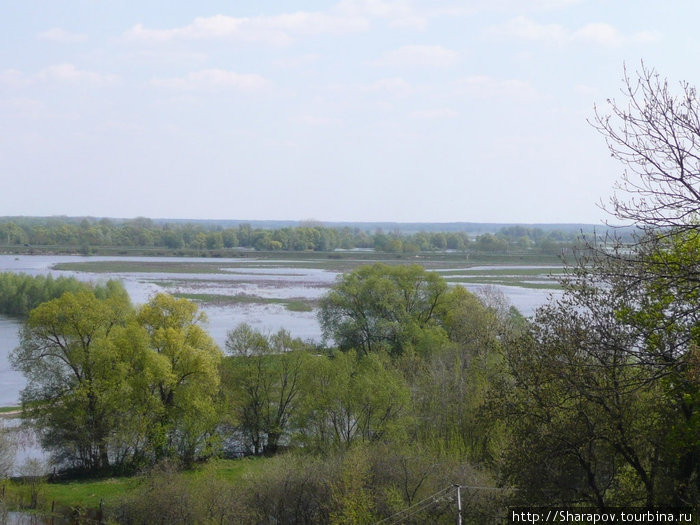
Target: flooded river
[265,279]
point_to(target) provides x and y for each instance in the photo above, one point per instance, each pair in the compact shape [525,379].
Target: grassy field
[109,491]
[324,260]
[523,270]
[293,305]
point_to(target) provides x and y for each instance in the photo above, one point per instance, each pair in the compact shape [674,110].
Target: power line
[413,509]
[431,500]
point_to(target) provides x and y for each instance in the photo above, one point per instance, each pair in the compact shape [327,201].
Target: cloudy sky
[358,110]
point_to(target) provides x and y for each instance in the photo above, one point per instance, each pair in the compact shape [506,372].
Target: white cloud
[213,80]
[275,30]
[437,113]
[483,86]
[56,34]
[298,61]
[398,13]
[315,121]
[607,35]
[418,56]
[522,27]
[56,73]
[502,6]
[597,33]
[164,56]
[14,78]
[69,73]
[22,107]
[396,86]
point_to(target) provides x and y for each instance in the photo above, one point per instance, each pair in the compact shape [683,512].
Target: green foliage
[88,234]
[383,308]
[109,387]
[8,449]
[185,361]
[71,394]
[20,293]
[165,496]
[351,399]
[602,406]
[264,382]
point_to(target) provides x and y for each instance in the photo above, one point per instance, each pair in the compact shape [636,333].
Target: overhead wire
[429,501]
[424,504]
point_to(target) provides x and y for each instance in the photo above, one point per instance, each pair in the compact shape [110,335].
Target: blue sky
[358,110]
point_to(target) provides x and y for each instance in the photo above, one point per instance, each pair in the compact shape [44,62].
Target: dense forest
[85,235]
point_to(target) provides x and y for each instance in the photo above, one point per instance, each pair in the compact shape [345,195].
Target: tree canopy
[109,386]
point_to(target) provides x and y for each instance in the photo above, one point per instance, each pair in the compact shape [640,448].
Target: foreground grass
[92,493]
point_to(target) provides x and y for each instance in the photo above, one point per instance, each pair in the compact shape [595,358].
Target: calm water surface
[268,279]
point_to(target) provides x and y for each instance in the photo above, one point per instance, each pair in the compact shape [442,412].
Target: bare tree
[656,135]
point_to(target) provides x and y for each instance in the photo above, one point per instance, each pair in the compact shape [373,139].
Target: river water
[263,278]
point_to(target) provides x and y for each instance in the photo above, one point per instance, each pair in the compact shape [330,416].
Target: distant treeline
[87,234]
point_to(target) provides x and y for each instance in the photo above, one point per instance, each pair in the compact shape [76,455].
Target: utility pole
[459,505]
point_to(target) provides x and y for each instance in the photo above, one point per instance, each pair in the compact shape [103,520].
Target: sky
[347,110]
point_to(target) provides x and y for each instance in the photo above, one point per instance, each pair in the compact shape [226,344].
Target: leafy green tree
[71,396]
[452,385]
[20,293]
[229,238]
[264,382]
[186,378]
[352,400]
[382,307]
[109,387]
[603,400]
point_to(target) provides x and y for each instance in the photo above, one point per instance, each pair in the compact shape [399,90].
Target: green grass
[299,306]
[139,267]
[544,285]
[83,493]
[293,305]
[454,267]
[4,410]
[230,470]
[339,261]
[109,491]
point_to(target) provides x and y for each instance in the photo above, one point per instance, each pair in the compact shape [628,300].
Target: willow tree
[73,394]
[110,387]
[185,378]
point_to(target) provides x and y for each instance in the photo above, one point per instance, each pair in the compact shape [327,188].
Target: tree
[656,136]
[264,380]
[603,400]
[109,387]
[185,379]
[71,395]
[352,399]
[381,307]
[452,388]
[8,449]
